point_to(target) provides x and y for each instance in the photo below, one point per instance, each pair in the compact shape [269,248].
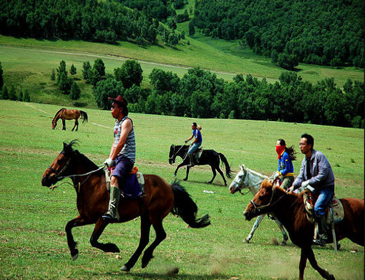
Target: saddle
[134,184]
[198,153]
[334,210]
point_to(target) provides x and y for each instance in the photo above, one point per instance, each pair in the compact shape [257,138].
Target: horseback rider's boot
[191,157]
[112,214]
[322,231]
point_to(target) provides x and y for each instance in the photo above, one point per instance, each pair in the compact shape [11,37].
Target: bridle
[59,176]
[260,208]
[242,182]
[172,158]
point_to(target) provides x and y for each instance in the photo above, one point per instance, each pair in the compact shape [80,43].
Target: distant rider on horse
[198,140]
[122,154]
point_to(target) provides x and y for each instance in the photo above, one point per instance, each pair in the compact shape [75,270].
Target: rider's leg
[324,197]
[123,167]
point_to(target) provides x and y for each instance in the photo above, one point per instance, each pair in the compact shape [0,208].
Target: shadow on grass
[150,275]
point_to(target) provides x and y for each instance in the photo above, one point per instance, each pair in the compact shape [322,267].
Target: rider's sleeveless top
[129,149]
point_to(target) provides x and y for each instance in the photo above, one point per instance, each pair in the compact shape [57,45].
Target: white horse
[247,178]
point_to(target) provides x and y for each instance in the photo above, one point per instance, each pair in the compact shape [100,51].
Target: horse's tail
[83,116]
[228,168]
[186,208]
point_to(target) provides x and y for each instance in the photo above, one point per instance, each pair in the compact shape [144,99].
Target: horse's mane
[256,173]
[58,113]
[69,148]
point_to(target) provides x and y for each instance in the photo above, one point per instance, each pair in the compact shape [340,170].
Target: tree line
[200,94]
[290,31]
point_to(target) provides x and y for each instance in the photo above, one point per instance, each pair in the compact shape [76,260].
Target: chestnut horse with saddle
[89,181]
[289,209]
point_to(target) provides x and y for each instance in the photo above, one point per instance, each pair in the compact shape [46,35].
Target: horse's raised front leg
[214,174]
[100,225]
[177,168]
[281,227]
[77,222]
[255,226]
[310,255]
[143,241]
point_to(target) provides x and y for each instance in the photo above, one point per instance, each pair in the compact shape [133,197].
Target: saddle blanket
[335,204]
[133,186]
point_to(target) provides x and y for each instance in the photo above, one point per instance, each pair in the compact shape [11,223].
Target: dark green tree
[107,88]
[99,66]
[85,70]
[75,92]
[129,74]
[73,70]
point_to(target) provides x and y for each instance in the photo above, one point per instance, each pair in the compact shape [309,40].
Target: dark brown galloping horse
[288,208]
[67,114]
[89,182]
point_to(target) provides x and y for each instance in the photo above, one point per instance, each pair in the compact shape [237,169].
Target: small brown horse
[67,114]
[288,208]
[89,182]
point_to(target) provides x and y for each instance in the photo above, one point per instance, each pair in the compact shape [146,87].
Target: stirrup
[109,217]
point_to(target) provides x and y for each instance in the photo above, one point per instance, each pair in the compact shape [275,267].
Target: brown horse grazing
[66,114]
[89,182]
[289,210]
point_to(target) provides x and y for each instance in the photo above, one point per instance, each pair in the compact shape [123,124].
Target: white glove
[305,184]
[108,162]
[291,189]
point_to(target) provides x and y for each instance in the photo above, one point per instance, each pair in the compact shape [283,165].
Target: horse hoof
[185,179]
[283,243]
[245,241]
[75,254]
[124,268]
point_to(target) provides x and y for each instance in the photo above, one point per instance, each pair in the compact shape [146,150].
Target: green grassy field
[32,238]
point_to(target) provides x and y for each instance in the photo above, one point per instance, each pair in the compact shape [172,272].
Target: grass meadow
[32,237]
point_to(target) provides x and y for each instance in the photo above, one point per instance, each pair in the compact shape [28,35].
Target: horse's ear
[242,166]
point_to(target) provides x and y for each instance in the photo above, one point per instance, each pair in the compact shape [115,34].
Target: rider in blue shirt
[198,140]
[285,166]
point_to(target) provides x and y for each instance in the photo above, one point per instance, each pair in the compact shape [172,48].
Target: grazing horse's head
[56,117]
[60,166]
[263,201]
[172,155]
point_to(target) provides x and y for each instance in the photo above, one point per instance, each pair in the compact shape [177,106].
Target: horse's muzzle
[48,181]
[248,215]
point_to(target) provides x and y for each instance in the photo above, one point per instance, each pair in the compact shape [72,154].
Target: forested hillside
[289,31]
[90,20]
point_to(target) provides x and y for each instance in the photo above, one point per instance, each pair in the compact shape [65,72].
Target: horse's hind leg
[98,230]
[220,172]
[78,221]
[143,241]
[76,125]
[310,255]
[285,236]
[160,236]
